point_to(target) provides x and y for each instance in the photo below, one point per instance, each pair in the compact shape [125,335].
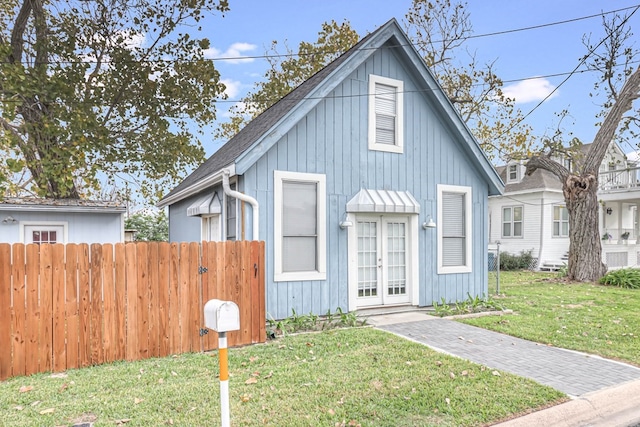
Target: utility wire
[291,55]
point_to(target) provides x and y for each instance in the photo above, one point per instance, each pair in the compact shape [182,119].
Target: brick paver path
[571,372]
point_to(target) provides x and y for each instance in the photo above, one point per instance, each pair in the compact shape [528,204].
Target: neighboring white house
[35,220]
[531,214]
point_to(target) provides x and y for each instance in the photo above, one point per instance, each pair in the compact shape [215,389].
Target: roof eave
[197,187]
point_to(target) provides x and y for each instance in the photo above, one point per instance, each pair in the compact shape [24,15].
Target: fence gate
[75,305]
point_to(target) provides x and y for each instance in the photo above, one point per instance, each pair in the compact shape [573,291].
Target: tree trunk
[585,250]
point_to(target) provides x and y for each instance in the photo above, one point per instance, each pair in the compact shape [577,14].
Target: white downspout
[238,195]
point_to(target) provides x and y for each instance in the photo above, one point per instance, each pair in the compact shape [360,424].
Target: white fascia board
[50,208]
[203,184]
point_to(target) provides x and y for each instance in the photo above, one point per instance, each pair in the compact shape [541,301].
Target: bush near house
[628,278]
[512,262]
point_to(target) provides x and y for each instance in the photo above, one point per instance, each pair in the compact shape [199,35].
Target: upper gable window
[513,173]
[385,114]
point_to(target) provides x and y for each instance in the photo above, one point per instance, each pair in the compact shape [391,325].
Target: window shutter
[453,231]
[299,226]
[386,112]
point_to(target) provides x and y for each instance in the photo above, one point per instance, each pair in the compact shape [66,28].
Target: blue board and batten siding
[332,140]
[327,133]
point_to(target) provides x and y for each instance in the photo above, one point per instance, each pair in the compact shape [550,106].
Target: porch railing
[622,179]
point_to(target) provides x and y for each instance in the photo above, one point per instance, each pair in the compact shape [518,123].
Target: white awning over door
[383,201]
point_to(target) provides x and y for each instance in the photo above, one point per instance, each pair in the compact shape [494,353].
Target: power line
[291,55]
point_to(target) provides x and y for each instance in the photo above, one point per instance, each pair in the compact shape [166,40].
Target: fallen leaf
[408,362]
[59,375]
[175,374]
[452,375]
[25,388]
[64,387]
[310,344]
[255,374]
[37,402]
[438,363]
[464,373]
[161,381]
[137,400]
[253,358]
[282,346]
[18,408]
[269,375]
[448,401]
[47,411]
[170,421]
[122,421]
[251,380]
[245,398]
[496,373]
[331,412]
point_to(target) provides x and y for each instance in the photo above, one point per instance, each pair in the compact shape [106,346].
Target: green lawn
[596,319]
[343,377]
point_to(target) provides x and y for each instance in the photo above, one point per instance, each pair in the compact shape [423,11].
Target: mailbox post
[222,316]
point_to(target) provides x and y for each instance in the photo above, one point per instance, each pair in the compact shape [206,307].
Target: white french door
[382,259]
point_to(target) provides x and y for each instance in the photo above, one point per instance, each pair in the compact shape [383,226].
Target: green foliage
[628,278]
[312,322]
[470,305]
[285,75]
[102,87]
[150,227]
[511,262]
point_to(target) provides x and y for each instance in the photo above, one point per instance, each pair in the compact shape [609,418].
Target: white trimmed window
[231,217]
[560,221]
[43,232]
[300,226]
[512,221]
[385,114]
[454,231]
[513,173]
[211,228]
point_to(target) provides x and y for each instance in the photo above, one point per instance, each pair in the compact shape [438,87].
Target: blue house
[364,182]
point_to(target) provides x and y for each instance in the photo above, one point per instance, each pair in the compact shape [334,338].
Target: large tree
[621,84]
[97,90]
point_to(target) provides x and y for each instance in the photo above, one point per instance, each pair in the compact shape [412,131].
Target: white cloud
[530,90]
[234,51]
[232,88]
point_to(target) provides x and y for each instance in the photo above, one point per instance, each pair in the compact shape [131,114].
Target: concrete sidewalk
[604,392]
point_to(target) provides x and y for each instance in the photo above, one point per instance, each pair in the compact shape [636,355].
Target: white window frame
[44,225]
[321,272]
[517,172]
[205,228]
[468,266]
[233,184]
[398,147]
[512,222]
[560,221]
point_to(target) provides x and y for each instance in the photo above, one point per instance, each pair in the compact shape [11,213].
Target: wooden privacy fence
[75,305]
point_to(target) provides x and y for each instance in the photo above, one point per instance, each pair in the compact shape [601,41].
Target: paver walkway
[571,372]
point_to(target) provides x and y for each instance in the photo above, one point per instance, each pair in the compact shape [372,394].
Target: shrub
[523,261]
[624,278]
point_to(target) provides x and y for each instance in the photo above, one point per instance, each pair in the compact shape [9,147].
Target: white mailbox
[221,316]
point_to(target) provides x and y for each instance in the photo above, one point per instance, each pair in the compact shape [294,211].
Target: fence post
[498,269]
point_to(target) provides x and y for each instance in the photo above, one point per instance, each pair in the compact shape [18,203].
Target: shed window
[454,233]
[385,114]
[299,227]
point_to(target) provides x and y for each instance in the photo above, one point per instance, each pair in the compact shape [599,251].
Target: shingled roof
[233,148]
[539,180]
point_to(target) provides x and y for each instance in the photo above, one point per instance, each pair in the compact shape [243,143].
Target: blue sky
[251,25]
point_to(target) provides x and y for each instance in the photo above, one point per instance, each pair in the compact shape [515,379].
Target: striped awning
[385,201]
[206,205]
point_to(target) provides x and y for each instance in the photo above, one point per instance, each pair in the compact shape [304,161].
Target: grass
[345,377]
[592,318]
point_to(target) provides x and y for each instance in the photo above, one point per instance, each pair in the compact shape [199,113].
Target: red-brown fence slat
[174,299]
[154,328]
[84,306]
[132,350]
[163,299]
[32,324]
[261,302]
[120,301]
[45,303]
[194,301]
[244,303]
[5,311]
[59,345]
[18,312]
[184,277]
[206,294]
[109,339]
[71,305]
[143,300]
[97,314]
